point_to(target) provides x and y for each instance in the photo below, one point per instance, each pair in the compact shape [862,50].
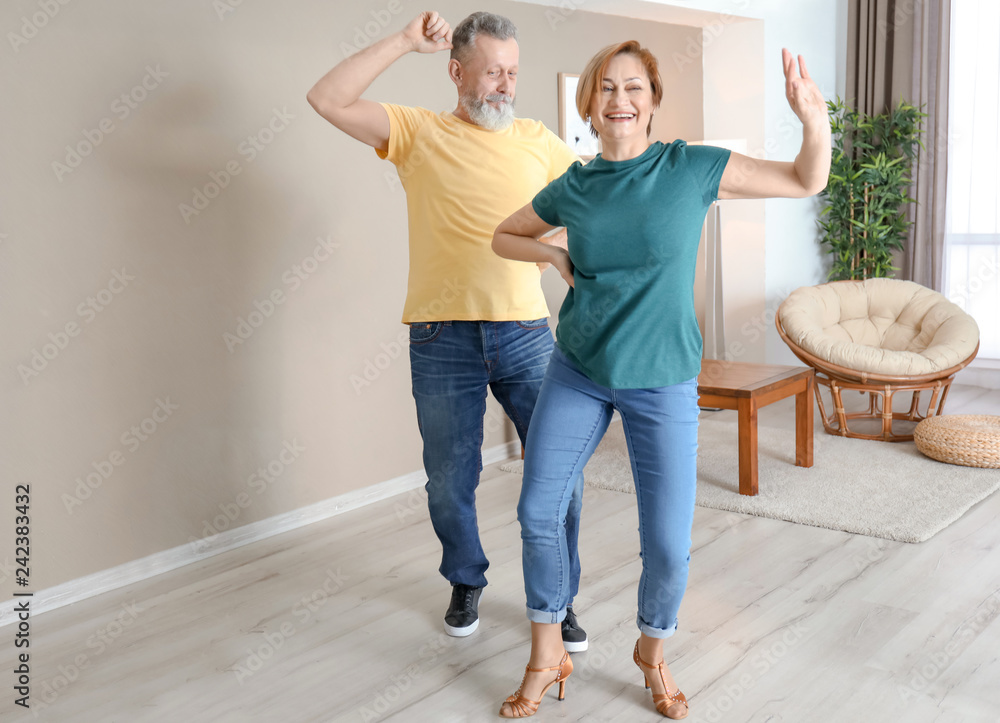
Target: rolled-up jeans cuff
[543,616]
[652,632]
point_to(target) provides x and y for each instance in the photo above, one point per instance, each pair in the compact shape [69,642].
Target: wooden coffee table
[746,388]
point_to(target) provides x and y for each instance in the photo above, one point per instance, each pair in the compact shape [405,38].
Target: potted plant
[864,220]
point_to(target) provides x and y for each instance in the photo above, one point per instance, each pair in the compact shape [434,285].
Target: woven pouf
[966,439]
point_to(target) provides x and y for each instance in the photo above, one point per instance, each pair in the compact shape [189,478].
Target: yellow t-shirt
[461,181]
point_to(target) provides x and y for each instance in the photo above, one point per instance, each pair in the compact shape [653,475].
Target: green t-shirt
[633,232]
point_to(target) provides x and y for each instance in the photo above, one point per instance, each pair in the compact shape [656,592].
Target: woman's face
[623,102]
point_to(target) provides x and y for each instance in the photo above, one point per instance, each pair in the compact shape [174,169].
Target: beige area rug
[879,489]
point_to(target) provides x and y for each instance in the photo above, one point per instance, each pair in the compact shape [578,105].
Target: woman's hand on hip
[560,259]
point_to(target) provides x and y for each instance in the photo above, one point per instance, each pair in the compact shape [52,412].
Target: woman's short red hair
[593,74]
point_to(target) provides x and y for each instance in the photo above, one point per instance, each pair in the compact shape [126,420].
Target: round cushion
[966,439]
[880,326]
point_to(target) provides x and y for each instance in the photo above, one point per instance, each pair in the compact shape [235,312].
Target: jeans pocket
[423,332]
[535,324]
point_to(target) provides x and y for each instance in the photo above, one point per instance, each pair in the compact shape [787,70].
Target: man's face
[488,79]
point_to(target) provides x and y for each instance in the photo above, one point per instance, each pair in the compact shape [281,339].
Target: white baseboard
[198,549]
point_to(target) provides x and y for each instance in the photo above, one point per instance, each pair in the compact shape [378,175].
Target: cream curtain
[900,48]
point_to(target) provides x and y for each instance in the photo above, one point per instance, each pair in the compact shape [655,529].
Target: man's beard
[485,115]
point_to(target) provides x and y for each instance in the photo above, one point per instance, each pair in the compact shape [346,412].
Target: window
[972,236]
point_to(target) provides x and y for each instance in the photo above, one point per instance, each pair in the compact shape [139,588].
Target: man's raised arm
[337,95]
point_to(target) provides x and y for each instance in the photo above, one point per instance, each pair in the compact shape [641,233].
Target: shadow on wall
[211,216]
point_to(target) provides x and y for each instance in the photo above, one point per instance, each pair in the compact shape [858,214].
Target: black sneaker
[462,617]
[574,637]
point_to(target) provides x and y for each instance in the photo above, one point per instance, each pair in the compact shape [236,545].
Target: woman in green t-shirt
[628,340]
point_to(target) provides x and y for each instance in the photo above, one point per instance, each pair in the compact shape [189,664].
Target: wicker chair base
[879,405]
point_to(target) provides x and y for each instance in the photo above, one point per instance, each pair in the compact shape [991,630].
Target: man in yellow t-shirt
[477,321]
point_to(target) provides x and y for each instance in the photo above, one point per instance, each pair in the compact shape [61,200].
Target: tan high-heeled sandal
[521,707]
[663,701]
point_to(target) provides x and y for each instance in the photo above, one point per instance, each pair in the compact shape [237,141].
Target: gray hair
[464,36]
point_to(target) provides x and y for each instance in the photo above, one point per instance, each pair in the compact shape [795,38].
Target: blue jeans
[452,364]
[661,429]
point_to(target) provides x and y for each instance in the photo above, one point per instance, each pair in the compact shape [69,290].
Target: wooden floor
[341,621]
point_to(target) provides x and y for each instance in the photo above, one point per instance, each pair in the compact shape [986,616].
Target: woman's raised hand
[428,33]
[803,95]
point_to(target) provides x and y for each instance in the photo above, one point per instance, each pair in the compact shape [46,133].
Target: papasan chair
[880,337]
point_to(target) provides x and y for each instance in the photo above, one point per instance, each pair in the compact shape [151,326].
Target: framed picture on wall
[572,128]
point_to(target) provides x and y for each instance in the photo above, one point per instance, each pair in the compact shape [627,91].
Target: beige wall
[157,342]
